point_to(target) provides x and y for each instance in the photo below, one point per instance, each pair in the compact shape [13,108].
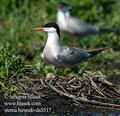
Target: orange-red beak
[38,29]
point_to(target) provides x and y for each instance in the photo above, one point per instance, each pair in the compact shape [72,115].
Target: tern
[60,55]
[74,26]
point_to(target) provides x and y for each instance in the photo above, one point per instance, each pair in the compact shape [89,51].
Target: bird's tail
[95,52]
[109,30]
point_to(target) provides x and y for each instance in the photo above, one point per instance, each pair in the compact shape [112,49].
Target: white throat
[61,20]
[52,45]
[53,39]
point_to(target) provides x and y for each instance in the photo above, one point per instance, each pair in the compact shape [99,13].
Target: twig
[84,100]
[61,93]
[61,87]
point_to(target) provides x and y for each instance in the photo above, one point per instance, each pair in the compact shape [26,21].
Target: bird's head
[49,27]
[63,7]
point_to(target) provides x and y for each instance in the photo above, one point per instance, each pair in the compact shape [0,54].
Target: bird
[74,26]
[60,55]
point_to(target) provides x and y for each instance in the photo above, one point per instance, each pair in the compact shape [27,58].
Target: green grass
[18,44]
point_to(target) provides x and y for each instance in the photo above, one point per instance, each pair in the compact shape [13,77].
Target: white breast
[61,21]
[52,49]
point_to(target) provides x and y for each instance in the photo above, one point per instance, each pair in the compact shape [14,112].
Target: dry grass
[90,91]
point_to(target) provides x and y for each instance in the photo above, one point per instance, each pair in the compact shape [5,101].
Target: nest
[91,91]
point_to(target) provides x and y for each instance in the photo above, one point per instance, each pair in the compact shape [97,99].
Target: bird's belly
[55,62]
[52,60]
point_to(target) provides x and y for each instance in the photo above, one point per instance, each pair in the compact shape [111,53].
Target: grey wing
[72,56]
[80,27]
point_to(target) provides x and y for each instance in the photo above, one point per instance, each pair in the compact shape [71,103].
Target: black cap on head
[62,4]
[52,24]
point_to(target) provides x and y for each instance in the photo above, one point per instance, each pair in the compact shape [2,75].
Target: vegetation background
[20,48]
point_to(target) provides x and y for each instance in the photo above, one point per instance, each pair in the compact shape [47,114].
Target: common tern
[61,55]
[74,26]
